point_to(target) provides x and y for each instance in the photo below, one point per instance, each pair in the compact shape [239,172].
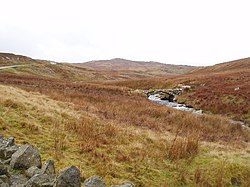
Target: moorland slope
[107,128]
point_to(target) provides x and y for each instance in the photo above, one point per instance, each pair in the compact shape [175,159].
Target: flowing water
[174,104]
[183,107]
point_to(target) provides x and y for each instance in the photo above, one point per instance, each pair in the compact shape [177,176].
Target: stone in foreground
[32,171]
[41,180]
[48,168]
[69,177]
[3,169]
[125,184]
[94,181]
[25,157]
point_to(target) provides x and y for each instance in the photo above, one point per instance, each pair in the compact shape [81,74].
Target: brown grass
[107,130]
[184,147]
[118,104]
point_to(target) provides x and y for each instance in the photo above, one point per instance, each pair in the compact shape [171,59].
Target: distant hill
[235,65]
[119,64]
[115,69]
[13,59]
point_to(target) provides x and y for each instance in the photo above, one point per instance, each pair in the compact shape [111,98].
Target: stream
[174,104]
[183,107]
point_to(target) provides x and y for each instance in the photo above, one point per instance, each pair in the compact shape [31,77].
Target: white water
[174,104]
[183,107]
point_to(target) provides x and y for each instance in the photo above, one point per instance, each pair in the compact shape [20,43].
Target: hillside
[92,71]
[219,89]
[235,65]
[119,64]
[106,128]
[13,59]
[108,131]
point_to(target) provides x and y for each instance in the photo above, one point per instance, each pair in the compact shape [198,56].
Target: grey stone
[125,184]
[10,141]
[4,185]
[18,180]
[4,142]
[41,180]
[69,177]
[9,151]
[3,169]
[2,151]
[33,170]
[6,161]
[4,179]
[25,157]
[94,181]
[48,167]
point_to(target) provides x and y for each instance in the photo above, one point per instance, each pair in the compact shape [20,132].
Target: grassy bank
[107,131]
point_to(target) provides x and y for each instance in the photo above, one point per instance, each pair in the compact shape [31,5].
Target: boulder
[4,143]
[10,141]
[125,184]
[4,184]
[3,169]
[25,157]
[167,96]
[69,177]
[33,170]
[4,179]
[6,162]
[9,151]
[41,180]
[18,180]
[2,150]
[94,181]
[48,168]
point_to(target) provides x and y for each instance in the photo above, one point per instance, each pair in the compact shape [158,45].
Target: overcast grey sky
[195,32]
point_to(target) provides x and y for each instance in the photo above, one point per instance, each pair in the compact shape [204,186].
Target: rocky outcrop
[69,177]
[48,168]
[25,157]
[21,166]
[125,184]
[94,181]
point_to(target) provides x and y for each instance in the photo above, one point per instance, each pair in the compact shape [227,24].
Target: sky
[193,32]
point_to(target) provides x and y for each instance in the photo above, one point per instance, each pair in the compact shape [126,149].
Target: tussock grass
[184,147]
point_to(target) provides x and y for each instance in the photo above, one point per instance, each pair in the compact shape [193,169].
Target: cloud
[180,32]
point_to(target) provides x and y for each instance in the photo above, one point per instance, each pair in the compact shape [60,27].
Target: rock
[125,184]
[4,184]
[9,151]
[4,142]
[41,180]
[235,181]
[6,161]
[18,180]
[4,179]
[3,169]
[167,96]
[94,181]
[69,177]
[2,150]
[48,168]
[32,171]
[10,141]
[25,157]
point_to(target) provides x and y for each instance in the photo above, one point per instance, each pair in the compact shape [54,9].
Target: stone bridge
[165,94]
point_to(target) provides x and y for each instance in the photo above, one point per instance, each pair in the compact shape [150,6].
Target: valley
[96,116]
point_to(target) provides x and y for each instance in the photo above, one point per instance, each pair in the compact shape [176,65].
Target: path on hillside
[7,67]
